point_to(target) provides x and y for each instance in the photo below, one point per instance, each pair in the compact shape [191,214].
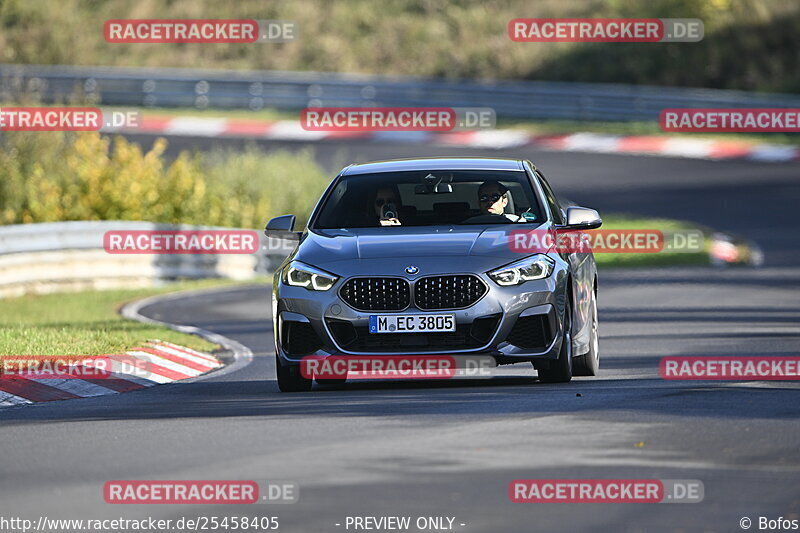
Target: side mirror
[582,218]
[282,224]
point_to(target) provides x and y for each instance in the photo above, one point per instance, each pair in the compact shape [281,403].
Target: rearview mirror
[582,218]
[435,185]
[281,224]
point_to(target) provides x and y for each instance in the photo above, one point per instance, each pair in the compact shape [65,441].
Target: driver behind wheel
[493,199]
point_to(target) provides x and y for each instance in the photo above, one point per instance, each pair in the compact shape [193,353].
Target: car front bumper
[319,317]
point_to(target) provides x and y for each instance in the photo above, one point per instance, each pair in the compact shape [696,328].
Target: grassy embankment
[748,44]
[85,323]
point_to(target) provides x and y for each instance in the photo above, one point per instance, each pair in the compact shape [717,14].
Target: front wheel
[290,379]
[589,363]
[560,370]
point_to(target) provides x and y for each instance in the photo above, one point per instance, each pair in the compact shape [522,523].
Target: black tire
[589,363]
[560,370]
[290,379]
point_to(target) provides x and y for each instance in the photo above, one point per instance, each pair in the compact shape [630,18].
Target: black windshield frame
[519,180]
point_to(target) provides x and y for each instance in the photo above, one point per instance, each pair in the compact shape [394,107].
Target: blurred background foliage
[749,44]
[55,176]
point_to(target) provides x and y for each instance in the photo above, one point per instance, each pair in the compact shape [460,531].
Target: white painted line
[591,142]
[498,139]
[78,387]
[692,148]
[166,363]
[204,127]
[139,380]
[142,376]
[292,130]
[8,399]
[183,350]
[773,153]
[208,365]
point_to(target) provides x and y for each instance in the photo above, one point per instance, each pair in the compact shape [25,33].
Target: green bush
[56,176]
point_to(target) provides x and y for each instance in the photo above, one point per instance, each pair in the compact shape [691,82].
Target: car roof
[434,163]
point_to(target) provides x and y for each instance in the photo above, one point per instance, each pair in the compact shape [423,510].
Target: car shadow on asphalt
[503,395]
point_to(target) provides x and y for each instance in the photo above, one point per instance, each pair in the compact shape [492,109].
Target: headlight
[534,267]
[300,275]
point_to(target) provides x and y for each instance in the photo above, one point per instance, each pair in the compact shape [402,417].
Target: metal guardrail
[61,255]
[168,87]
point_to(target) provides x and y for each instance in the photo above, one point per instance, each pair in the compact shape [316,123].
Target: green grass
[86,323]
[661,259]
[267,114]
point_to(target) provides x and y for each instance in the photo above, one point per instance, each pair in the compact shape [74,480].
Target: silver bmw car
[413,257]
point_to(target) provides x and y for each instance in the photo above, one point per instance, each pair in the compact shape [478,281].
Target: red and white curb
[291,130]
[164,363]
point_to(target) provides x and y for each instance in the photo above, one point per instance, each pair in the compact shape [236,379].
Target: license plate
[412,323]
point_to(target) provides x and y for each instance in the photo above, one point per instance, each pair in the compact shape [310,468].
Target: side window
[555,208]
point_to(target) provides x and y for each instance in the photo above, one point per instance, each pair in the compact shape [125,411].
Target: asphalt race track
[451,448]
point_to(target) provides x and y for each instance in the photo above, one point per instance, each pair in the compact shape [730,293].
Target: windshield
[430,198]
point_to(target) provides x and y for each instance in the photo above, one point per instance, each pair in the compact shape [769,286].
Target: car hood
[484,244]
